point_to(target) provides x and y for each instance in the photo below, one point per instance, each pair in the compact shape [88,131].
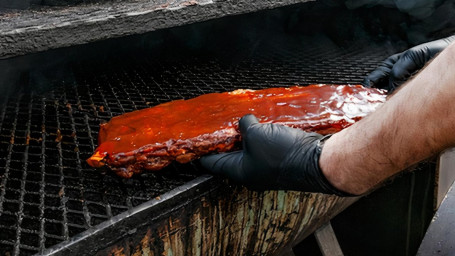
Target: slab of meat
[184,130]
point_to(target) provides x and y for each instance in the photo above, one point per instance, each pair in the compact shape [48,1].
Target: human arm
[415,123]
[418,121]
[396,69]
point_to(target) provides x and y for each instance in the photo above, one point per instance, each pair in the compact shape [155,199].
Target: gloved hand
[396,69]
[274,157]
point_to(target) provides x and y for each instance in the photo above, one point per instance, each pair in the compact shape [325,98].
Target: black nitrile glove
[396,69]
[274,157]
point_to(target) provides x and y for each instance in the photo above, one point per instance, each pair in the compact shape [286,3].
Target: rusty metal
[245,224]
[224,220]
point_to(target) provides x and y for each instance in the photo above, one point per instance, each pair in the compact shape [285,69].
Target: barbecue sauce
[320,108]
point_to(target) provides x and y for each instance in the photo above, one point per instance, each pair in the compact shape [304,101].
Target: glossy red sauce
[321,108]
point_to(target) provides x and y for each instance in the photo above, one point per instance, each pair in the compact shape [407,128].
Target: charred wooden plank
[29,31]
[209,217]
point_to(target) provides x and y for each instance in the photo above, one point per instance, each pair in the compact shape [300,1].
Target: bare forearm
[414,124]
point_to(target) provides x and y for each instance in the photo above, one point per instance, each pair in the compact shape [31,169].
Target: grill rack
[48,193]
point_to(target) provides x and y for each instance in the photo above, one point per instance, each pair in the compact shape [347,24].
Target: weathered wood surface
[28,31]
[208,217]
[240,223]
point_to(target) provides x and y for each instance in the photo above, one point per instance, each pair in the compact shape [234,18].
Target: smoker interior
[49,127]
[40,4]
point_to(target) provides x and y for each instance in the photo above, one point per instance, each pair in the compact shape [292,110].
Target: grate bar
[81,160]
[4,175]
[48,193]
[42,180]
[6,178]
[20,214]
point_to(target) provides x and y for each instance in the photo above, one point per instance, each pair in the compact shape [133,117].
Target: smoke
[41,72]
[35,73]
[441,23]
[14,4]
[234,39]
[428,19]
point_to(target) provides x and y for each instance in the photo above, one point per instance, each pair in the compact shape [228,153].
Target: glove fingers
[227,164]
[377,78]
[409,63]
[413,60]
[246,121]
[270,140]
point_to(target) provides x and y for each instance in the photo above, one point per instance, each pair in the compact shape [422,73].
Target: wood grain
[29,31]
[239,223]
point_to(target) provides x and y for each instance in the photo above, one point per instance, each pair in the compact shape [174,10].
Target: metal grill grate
[47,191]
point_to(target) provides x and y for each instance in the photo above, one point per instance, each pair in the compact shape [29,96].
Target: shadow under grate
[47,191]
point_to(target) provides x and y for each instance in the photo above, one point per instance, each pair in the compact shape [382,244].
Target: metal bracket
[446,174]
[439,239]
[327,241]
